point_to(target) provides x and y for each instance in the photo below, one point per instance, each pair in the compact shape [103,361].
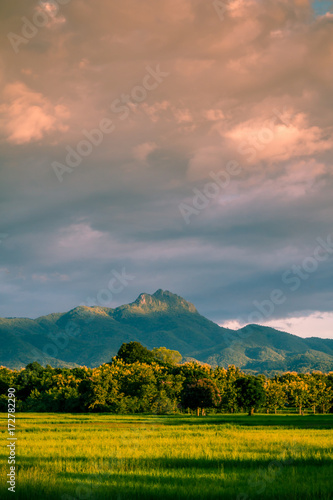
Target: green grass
[87,457]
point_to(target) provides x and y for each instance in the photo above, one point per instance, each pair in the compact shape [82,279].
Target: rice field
[101,456]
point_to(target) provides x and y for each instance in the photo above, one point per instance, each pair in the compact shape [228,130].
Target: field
[97,456]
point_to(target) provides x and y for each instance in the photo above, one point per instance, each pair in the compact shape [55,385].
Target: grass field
[97,456]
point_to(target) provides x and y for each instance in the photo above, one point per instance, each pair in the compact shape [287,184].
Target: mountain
[91,336]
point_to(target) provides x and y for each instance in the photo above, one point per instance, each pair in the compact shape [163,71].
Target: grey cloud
[230,254]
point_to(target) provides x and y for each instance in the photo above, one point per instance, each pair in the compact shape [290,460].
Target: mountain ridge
[92,335]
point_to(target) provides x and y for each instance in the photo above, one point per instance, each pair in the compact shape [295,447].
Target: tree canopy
[139,380]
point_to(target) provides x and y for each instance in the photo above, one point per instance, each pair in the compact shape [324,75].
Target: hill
[91,336]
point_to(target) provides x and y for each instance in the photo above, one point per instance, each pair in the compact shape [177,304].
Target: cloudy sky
[183,145]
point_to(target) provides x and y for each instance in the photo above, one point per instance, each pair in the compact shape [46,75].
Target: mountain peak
[161,300]
[162,318]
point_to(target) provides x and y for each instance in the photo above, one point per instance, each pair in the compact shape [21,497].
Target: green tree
[200,394]
[132,352]
[314,386]
[250,393]
[35,367]
[298,391]
[194,370]
[275,395]
[167,355]
[101,391]
[325,397]
[7,378]
[225,380]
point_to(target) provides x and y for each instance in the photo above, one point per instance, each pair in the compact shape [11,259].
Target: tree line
[138,380]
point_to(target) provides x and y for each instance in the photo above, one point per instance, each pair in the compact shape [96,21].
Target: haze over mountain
[91,336]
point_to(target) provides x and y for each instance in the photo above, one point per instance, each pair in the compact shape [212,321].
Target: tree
[167,355]
[225,380]
[6,380]
[325,397]
[35,367]
[133,352]
[250,393]
[313,392]
[200,394]
[299,393]
[275,395]
[101,391]
[193,370]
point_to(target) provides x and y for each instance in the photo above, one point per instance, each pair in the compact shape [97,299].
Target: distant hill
[91,336]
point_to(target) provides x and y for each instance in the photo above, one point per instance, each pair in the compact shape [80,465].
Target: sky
[183,145]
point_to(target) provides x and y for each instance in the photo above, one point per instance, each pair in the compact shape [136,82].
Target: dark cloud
[254,88]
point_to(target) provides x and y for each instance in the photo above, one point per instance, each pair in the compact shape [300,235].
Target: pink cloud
[28,115]
[213,115]
[259,139]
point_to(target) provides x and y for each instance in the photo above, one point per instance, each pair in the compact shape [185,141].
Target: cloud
[182,115]
[142,151]
[28,115]
[253,88]
[316,324]
[274,142]
[205,160]
[44,278]
[79,239]
[52,11]
[213,114]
